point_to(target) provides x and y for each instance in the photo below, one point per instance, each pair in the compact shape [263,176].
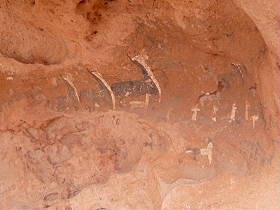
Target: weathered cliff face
[99,32]
[265,15]
[194,85]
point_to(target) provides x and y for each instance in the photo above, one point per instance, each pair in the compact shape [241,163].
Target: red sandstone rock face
[266,17]
[62,147]
[29,44]
[65,156]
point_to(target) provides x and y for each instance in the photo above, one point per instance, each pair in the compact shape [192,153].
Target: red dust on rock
[63,148]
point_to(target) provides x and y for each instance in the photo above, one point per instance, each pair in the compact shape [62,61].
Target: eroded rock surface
[62,148]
